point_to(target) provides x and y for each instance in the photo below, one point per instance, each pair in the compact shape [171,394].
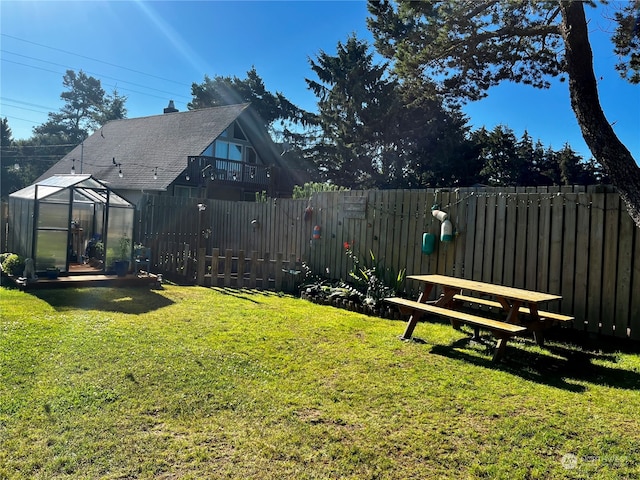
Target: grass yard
[194,383]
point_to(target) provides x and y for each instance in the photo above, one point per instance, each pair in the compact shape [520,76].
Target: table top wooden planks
[512,293]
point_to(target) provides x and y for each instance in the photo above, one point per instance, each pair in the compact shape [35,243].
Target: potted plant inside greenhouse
[121,264]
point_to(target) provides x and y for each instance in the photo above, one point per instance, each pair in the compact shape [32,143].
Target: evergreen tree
[375,133]
[469,47]
[502,164]
[275,110]
[86,108]
[11,179]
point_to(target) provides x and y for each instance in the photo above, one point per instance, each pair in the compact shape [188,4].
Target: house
[216,153]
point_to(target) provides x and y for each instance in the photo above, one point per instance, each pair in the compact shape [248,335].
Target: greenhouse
[71,224]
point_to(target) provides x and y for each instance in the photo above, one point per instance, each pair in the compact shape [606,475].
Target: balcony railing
[202,169]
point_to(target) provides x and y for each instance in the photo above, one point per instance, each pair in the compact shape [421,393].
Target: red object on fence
[316,232]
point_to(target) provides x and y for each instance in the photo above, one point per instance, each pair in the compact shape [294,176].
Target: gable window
[251,155]
[235,152]
[237,132]
[222,149]
[228,150]
[208,152]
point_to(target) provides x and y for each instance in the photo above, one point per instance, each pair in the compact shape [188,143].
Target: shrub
[12,264]
[377,281]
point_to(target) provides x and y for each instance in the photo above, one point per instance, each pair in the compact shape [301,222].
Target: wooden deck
[89,280]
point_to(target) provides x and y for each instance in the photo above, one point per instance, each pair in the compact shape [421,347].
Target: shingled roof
[140,146]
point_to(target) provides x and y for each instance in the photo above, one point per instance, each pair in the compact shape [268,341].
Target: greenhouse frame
[71,224]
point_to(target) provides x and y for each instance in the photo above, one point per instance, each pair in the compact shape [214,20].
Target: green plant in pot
[121,264]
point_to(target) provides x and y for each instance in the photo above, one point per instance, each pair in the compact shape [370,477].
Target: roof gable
[144,147]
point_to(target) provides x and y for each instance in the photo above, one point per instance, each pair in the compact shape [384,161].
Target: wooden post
[201,260]
[215,263]
[228,260]
[264,270]
[240,282]
[278,272]
[254,267]
[292,276]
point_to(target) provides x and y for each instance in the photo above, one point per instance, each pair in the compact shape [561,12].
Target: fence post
[240,281]
[278,272]
[254,268]
[266,267]
[228,260]
[292,273]
[200,262]
[215,265]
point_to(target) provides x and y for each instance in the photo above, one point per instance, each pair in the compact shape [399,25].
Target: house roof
[159,144]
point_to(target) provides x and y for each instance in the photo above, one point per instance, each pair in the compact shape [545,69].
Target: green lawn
[190,382]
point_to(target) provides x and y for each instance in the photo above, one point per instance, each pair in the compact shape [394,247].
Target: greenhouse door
[86,250]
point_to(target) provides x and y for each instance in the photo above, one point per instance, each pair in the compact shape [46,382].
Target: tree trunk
[607,149]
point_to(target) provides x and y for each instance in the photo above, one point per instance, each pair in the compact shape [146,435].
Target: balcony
[201,169]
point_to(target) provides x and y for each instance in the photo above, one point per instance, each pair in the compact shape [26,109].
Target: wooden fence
[574,241]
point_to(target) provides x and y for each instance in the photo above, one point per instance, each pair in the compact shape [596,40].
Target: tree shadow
[134,301]
[557,366]
[248,294]
[241,294]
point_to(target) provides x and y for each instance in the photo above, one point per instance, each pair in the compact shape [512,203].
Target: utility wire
[88,72]
[106,84]
[95,60]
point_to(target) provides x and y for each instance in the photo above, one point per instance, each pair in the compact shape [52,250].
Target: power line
[87,71]
[95,60]
[109,85]
[27,103]
[21,119]
[43,146]
[22,108]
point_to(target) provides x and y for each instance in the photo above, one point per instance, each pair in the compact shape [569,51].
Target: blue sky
[153,51]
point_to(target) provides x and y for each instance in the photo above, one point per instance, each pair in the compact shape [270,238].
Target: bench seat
[557,317]
[502,330]
[487,323]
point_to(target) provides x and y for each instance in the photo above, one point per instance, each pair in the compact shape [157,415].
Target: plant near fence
[376,281]
[371,283]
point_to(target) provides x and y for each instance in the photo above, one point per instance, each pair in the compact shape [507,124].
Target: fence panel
[576,242]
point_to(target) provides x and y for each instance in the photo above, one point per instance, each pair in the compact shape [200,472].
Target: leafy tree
[468,47]
[309,188]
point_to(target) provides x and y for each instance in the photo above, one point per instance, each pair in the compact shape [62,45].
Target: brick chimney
[171,108]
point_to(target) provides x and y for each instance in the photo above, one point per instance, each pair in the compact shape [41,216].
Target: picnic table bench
[520,306]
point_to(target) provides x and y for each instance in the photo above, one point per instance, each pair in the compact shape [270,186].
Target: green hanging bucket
[428,243]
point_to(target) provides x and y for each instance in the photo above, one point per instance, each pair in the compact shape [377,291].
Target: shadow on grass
[121,300]
[237,293]
[246,293]
[559,368]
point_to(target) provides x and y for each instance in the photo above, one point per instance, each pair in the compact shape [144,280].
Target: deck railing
[203,168]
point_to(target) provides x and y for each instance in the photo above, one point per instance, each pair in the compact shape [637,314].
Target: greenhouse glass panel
[53,215]
[51,249]
[119,234]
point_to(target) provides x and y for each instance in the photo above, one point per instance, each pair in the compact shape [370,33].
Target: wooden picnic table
[519,307]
